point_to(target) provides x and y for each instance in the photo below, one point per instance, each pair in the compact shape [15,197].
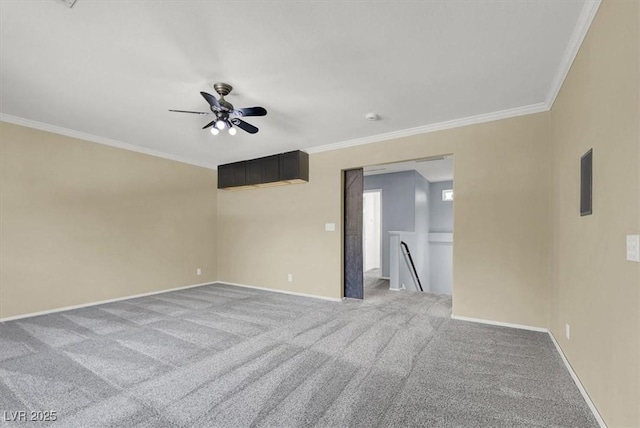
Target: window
[447,195]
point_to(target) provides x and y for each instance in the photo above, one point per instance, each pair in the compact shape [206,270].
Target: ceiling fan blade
[213,102]
[193,112]
[210,124]
[244,125]
[250,111]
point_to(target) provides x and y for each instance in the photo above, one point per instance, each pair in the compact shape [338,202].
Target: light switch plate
[330,227]
[633,248]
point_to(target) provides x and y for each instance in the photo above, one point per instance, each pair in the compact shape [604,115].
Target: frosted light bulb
[220,125]
[232,131]
[214,131]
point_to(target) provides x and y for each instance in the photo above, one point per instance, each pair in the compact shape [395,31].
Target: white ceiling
[110,71]
[433,169]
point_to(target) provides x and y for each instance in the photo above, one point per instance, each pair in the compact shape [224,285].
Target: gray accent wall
[420,249]
[398,206]
[440,253]
[440,212]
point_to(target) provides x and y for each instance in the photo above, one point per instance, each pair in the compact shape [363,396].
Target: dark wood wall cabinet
[232,175]
[284,168]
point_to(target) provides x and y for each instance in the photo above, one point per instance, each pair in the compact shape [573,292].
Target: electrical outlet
[198,271]
[567,331]
[290,277]
[633,248]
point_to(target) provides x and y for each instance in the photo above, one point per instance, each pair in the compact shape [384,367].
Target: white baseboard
[168,290]
[101,302]
[575,378]
[293,293]
[385,277]
[501,324]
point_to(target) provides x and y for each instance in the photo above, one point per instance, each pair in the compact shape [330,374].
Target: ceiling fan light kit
[226,115]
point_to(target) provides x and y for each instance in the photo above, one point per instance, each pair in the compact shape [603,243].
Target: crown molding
[440,126]
[577,37]
[97,139]
[585,19]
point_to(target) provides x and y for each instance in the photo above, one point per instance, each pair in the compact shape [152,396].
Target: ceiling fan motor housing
[225,104]
[223,89]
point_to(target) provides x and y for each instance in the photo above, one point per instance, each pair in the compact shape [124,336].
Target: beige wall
[594,289]
[82,222]
[502,182]
[522,253]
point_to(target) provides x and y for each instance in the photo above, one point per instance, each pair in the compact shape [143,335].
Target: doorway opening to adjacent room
[399,227]
[372,232]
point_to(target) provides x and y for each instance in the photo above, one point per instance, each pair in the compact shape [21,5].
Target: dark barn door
[353,275]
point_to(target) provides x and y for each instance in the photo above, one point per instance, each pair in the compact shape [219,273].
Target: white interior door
[372,223]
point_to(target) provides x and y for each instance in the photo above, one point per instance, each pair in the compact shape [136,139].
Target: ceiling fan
[226,116]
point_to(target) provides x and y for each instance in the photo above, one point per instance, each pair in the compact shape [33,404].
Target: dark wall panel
[353,257]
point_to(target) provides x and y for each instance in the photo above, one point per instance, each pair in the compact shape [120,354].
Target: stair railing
[413,266]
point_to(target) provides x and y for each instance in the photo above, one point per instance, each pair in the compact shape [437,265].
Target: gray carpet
[223,356]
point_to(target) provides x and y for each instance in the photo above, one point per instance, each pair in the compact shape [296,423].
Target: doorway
[417,209]
[372,232]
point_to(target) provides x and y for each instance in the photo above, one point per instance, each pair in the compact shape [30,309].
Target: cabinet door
[263,170]
[254,171]
[271,169]
[231,175]
[289,166]
[225,176]
[239,174]
[294,166]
